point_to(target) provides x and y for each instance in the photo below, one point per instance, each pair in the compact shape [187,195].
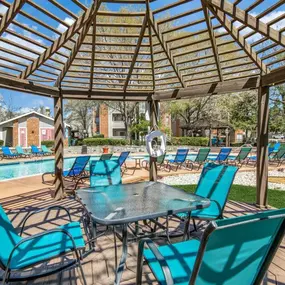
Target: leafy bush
[48,143]
[1,142]
[237,144]
[98,136]
[137,142]
[103,141]
[193,141]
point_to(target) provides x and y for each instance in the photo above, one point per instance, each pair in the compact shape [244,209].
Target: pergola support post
[262,149]
[153,125]
[59,143]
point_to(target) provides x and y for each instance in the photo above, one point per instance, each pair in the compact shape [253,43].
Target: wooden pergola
[71,51]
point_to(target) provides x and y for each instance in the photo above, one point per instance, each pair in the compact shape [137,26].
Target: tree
[79,114]
[244,112]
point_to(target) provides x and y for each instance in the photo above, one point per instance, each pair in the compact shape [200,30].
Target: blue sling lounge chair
[122,160]
[75,172]
[231,252]
[36,151]
[7,153]
[19,254]
[222,156]
[179,160]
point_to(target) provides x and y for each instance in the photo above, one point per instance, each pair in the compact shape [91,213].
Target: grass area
[247,194]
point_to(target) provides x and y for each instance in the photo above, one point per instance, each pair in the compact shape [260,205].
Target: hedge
[48,143]
[193,141]
[98,136]
[104,141]
[1,142]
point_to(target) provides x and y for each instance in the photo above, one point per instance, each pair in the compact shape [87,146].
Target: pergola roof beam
[8,17]
[249,20]
[213,40]
[231,29]
[59,42]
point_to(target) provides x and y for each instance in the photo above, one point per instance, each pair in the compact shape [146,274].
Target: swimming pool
[34,167]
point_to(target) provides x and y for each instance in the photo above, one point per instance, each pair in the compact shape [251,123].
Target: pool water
[35,167]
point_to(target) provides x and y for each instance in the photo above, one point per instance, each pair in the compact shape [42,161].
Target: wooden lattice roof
[138,48]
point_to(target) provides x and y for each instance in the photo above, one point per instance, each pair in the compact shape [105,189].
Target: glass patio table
[127,203]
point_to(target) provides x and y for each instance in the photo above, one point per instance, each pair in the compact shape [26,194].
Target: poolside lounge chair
[200,158]
[215,184]
[231,252]
[242,156]
[105,156]
[160,162]
[122,160]
[45,150]
[7,153]
[19,254]
[75,172]
[222,156]
[179,160]
[36,151]
[278,156]
[21,152]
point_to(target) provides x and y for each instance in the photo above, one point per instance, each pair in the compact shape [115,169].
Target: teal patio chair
[122,161]
[45,150]
[105,173]
[105,156]
[232,251]
[242,156]
[215,184]
[22,153]
[7,153]
[200,158]
[18,254]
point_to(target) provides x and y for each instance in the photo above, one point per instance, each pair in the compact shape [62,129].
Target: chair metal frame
[199,258]
[76,261]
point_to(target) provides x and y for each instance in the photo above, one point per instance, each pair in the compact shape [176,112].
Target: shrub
[193,141]
[103,141]
[237,144]
[98,136]
[48,143]
[1,142]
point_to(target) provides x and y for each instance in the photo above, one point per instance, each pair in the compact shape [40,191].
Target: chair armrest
[162,262]
[47,232]
[56,207]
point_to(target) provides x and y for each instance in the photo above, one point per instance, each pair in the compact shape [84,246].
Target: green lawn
[247,194]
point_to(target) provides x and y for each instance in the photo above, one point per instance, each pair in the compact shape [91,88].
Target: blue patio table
[128,203]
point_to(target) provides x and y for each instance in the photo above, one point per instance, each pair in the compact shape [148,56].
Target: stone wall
[33,125]
[15,133]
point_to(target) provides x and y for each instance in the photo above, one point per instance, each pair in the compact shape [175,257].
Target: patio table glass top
[126,203]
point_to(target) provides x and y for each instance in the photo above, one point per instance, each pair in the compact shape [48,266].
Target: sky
[26,101]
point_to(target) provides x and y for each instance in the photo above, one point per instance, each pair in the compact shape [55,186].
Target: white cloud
[62,28]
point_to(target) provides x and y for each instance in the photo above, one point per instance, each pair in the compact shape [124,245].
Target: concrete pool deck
[19,186]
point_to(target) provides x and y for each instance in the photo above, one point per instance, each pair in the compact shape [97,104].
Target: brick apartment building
[111,124]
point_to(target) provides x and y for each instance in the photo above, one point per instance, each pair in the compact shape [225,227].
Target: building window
[117,118]
[119,132]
